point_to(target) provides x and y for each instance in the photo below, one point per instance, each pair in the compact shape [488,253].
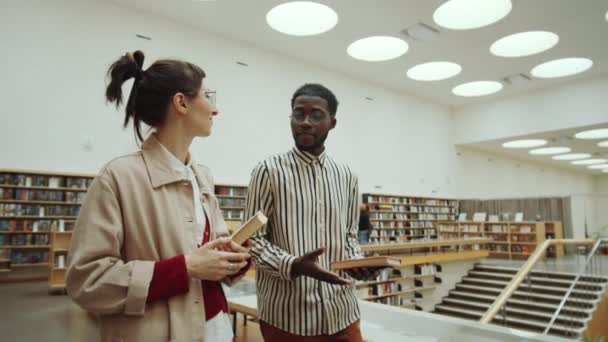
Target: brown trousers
[352,333]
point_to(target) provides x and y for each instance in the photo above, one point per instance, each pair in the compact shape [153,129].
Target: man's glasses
[314,117]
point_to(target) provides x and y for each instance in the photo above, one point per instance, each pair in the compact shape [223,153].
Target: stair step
[513,271]
[541,316]
[499,319]
[518,293]
[546,306]
[565,283]
[592,294]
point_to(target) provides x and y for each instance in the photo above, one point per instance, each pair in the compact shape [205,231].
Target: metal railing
[524,272]
[592,267]
[555,295]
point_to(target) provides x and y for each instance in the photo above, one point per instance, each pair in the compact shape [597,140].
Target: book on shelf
[368,262]
[479,217]
[525,229]
[253,224]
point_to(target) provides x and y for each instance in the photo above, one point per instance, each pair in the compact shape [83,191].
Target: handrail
[578,276]
[507,292]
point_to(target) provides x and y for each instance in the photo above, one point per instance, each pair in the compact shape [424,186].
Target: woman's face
[201,110]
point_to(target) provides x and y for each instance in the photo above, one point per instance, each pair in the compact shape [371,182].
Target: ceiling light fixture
[562,67]
[525,143]
[377,48]
[547,151]
[572,156]
[589,161]
[603,144]
[434,71]
[524,44]
[477,88]
[600,133]
[302,18]
[471,14]
[598,167]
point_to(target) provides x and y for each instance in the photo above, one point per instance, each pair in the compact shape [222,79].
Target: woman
[146,254]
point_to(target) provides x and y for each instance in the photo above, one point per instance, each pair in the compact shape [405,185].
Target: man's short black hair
[318,90]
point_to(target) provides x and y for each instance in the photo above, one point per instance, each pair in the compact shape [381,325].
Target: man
[312,205]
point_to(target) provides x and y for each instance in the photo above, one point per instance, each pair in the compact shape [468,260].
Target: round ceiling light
[572,156]
[547,151]
[526,143]
[478,88]
[524,44]
[603,144]
[589,161]
[377,48]
[592,134]
[302,18]
[471,14]
[434,71]
[598,167]
[562,67]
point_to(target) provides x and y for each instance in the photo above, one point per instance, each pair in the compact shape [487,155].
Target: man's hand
[308,265]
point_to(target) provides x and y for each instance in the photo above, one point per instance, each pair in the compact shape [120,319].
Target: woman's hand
[216,260]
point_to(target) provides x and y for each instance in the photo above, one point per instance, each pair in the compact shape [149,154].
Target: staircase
[533,303]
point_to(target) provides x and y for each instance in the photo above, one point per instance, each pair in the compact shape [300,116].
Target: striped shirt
[310,202]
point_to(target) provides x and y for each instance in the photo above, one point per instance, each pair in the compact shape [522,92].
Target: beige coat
[138,211]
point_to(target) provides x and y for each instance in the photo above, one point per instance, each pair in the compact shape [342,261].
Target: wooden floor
[30,313]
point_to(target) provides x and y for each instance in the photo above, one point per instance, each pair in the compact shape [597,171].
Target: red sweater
[170,278]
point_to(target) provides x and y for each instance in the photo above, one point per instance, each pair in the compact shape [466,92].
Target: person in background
[365,224]
[146,254]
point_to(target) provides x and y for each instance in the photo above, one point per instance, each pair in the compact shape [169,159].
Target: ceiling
[561,138]
[580,25]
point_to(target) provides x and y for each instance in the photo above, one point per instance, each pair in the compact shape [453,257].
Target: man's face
[311,122]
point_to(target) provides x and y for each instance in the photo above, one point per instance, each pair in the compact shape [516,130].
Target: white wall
[573,105]
[58,52]
[482,175]
[55,55]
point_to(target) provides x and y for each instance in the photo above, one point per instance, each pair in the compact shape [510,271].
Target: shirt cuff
[170,278]
[285,267]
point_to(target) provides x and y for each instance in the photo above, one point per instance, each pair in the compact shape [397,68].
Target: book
[252,225]
[375,261]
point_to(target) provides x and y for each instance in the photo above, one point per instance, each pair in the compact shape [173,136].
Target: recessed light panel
[572,156]
[592,134]
[477,88]
[524,44]
[603,144]
[377,49]
[599,167]
[471,14]
[549,151]
[525,143]
[434,71]
[562,67]
[302,18]
[590,161]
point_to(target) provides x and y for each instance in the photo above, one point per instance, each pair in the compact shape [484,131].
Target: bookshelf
[510,240]
[34,205]
[427,272]
[232,200]
[399,218]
